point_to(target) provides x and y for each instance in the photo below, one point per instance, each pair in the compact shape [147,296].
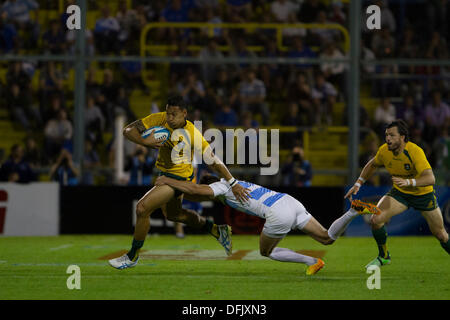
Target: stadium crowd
[241,94]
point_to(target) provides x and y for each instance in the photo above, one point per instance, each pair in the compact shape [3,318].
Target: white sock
[287,255]
[339,225]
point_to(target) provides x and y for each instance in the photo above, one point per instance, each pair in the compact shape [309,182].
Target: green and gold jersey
[407,165]
[175,156]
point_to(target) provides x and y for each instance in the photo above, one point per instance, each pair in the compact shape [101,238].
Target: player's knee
[141,211]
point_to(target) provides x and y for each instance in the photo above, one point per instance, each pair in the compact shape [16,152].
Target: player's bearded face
[393,138]
[176,117]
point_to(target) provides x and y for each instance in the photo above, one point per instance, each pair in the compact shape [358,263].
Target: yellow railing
[250,27]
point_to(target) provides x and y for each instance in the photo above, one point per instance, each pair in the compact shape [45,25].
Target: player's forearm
[222,170]
[424,180]
[183,186]
[367,172]
[133,132]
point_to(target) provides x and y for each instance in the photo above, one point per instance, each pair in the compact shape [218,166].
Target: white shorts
[285,215]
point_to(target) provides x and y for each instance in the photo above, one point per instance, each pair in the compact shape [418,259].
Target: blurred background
[310,68]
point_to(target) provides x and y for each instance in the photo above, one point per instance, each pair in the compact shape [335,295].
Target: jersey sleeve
[420,161]
[155,119]
[219,188]
[379,157]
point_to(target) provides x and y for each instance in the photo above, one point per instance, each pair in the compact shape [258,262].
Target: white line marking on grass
[64,246]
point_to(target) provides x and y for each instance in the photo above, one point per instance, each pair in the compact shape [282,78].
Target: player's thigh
[154,199]
[389,207]
[267,243]
[316,231]
[172,208]
[435,222]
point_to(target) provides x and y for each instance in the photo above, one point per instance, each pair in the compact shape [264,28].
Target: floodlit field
[197,268]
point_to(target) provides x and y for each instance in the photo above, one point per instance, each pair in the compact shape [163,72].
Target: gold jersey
[407,165]
[175,156]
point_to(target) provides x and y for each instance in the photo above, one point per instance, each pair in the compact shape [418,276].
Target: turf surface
[196,268]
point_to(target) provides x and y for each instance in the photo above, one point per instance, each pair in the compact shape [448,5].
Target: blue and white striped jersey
[262,199]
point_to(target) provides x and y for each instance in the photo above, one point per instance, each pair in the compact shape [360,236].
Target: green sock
[446,246]
[380,236]
[135,246]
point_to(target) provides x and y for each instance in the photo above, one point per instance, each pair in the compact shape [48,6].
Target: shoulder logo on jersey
[407,166]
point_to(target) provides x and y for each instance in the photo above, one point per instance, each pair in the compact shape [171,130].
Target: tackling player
[174,160]
[413,181]
[282,212]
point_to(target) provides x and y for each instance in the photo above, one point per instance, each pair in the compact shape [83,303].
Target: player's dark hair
[402,128]
[177,100]
[208,179]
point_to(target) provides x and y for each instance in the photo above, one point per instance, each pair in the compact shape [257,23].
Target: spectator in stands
[438,13]
[33,153]
[176,11]
[300,92]
[337,14]
[437,50]
[129,25]
[54,39]
[16,168]
[106,32]
[52,111]
[364,119]
[239,10]
[410,112]
[141,166]
[441,151]
[91,162]
[58,134]
[123,105]
[64,170]
[292,118]
[223,88]
[51,83]
[383,44]
[324,35]
[297,171]
[300,50]
[333,72]
[16,75]
[18,13]
[437,115]
[309,10]
[179,70]
[416,137]
[94,122]
[211,51]
[226,117]
[387,17]
[291,33]
[282,9]
[239,49]
[385,113]
[367,55]
[324,97]
[252,96]
[92,86]
[20,108]
[8,36]
[71,39]
[107,98]
[192,90]
[131,72]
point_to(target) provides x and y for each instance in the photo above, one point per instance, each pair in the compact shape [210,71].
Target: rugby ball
[161,133]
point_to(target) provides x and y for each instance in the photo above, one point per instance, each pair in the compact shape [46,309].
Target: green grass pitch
[196,268]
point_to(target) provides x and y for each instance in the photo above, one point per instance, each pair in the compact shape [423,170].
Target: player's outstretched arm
[133,132]
[186,186]
[242,194]
[366,173]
